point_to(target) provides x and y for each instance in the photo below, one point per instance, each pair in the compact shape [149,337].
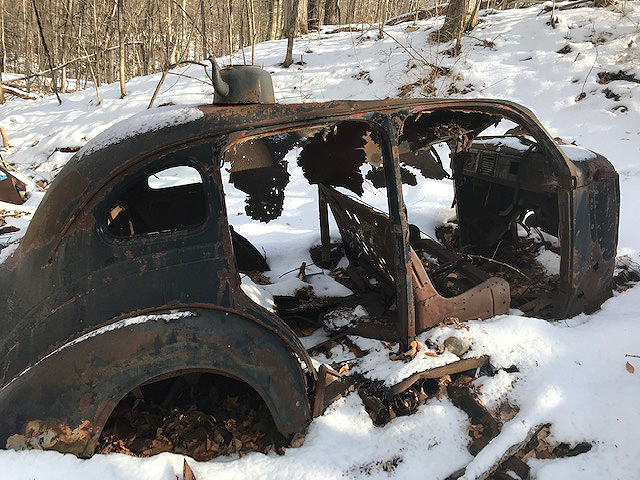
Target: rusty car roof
[86,173]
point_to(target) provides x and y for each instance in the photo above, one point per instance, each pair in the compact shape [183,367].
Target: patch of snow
[550,260]
[257,293]
[511,142]
[286,287]
[327,286]
[576,153]
[146,121]
[494,389]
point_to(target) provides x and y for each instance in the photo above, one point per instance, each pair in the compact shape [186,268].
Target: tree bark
[462,16]
[331,12]
[275,19]
[251,16]
[230,29]
[46,51]
[291,32]
[121,51]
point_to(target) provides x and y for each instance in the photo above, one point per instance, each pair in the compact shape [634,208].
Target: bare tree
[47,53]
[462,16]
[121,50]
[331,12]
[102,41]
[291,32]
[3,57]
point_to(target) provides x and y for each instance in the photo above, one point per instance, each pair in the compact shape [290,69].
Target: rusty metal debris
[130,283]
[12,190]
[187,473]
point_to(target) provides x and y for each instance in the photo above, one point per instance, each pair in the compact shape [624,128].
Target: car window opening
[167,200]
[495,184]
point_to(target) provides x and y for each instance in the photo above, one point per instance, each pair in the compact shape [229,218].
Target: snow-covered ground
[571,374]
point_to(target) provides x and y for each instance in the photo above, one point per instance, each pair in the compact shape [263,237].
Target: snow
[550,261]
[576,153]
[143,122]
[257,293]
[510,142]
[570,373]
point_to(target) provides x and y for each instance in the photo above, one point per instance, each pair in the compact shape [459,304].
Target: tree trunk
[331,12]
[3,57]
[462,16]
[291,32]
[252,29]
[47,53]
[203,20]
[121,51]
[230,29]
[382,16]
[275,19]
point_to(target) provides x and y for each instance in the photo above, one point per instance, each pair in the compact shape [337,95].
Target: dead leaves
[454,322]
[414,348]
[211,418]
[630,368]
[297,440]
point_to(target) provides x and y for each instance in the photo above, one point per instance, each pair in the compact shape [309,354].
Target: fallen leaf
[298,440]
[630,368]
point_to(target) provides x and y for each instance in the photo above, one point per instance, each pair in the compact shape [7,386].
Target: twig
[582,94]
[189,76]
[481,257]
[47,53]
[630,355]
[296,269]
[426,62]
[165,71]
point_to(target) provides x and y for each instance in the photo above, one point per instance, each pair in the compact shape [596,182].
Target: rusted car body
[96,304]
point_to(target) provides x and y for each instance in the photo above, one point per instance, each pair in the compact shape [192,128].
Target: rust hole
[198,414]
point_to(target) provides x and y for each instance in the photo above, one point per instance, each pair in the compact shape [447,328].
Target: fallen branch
[482,257]
[437,372]
[484,473]
[5,138]
[17,92]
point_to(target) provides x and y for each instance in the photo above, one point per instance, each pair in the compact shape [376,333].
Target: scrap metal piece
[12,190]
[187,473]
[330,386]
[248,258]
[485,300]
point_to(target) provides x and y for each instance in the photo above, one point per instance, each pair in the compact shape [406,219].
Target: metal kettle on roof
[241,84]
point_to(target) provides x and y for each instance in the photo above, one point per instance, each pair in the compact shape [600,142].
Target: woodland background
[64,45]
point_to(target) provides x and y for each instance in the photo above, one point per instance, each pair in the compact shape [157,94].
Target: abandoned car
[126,276]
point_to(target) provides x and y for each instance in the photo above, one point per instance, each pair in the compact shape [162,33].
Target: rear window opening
[168,199]
[201,415]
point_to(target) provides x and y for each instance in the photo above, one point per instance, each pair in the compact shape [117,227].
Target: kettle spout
[220,86]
